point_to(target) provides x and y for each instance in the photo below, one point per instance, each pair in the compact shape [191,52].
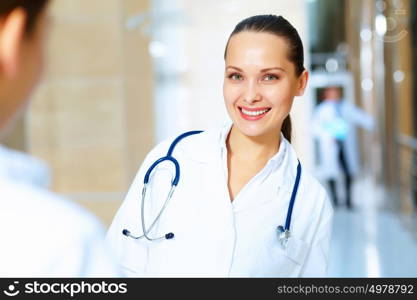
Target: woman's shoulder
[316,195]
[198,145]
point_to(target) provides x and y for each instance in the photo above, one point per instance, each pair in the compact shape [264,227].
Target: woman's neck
[259,148]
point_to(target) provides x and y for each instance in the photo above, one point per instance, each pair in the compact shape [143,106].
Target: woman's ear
[12,30]
[302,83]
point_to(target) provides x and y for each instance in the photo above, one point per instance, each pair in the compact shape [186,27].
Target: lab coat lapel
[202,215]
[217,201]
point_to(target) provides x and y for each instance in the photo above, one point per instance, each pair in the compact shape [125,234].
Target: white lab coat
[215,237]
[329,166]
[41,234]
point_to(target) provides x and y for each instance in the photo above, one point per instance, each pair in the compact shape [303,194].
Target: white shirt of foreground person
[215,237]
[43,235]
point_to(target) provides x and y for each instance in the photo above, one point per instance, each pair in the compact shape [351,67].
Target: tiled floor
[370,241]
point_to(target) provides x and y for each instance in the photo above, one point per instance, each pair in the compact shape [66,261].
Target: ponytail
[286,128]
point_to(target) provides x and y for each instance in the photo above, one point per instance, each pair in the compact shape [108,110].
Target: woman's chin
[250,130]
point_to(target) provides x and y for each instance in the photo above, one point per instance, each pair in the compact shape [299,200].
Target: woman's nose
[252,93]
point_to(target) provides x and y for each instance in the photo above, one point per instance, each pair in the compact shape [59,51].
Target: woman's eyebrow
[233,67]
[262,71]
[274,68]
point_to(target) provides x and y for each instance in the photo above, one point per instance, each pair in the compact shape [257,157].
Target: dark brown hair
[33,9]
[279,26]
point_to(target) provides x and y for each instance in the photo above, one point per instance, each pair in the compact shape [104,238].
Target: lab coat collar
[274,162]
[283,164]
[209,146]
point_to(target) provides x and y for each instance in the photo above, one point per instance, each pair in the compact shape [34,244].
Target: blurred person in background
[334,121]
[41,234]
[233,197]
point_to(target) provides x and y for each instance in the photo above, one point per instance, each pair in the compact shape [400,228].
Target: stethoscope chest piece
[283,236]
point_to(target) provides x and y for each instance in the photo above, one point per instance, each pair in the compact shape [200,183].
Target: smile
[253,114]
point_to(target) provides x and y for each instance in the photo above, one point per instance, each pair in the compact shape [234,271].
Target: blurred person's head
[23,25]
[264,71]
[332,94]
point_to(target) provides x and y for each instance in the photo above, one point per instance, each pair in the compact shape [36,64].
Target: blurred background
[124,74]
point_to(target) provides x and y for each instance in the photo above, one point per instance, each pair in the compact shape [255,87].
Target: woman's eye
[235,76]
[270,77]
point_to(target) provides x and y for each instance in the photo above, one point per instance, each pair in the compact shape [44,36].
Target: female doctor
[228,216]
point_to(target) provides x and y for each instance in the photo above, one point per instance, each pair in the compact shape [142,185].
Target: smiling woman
[264,71]
[243,205]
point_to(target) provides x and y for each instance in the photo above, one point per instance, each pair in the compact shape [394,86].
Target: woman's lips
[253,114]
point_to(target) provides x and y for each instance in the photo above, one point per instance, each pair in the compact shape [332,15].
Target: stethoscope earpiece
[169,236]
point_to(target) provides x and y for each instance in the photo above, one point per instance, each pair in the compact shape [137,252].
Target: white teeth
[254,113]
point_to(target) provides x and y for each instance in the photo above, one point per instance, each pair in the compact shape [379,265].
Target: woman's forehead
[257,48]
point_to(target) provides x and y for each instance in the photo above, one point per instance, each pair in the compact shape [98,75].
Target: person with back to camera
[240,203]
[41,234]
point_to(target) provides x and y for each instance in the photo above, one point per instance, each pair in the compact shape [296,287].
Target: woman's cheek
[231,94]
[280,93]
[274,95]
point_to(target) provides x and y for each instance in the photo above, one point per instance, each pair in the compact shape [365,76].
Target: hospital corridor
[370,241]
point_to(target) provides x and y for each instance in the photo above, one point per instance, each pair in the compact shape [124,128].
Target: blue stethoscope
[283,231]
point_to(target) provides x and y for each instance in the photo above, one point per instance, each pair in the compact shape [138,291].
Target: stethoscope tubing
[174,182]
[145,232]
[293,195]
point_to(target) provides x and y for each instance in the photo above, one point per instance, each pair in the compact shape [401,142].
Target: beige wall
[91,119]
[16,138]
